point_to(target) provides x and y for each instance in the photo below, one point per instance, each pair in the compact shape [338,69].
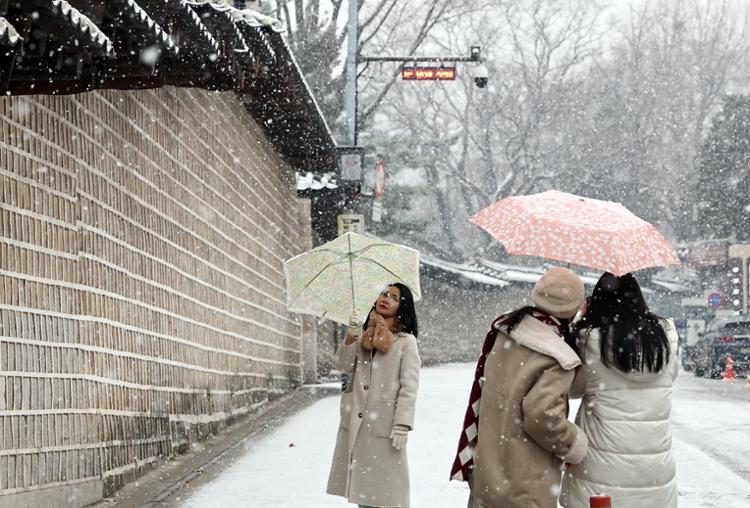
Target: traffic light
[735,283]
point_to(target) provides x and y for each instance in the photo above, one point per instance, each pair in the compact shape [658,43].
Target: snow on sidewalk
[289,469]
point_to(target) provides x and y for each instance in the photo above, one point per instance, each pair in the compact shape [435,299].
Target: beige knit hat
[559,292]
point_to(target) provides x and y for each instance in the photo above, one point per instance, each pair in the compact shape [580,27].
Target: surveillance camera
[481,76]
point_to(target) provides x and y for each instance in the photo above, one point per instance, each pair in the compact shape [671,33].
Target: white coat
[627,420]
[382,393]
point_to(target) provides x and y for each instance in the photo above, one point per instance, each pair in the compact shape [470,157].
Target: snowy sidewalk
[289,469]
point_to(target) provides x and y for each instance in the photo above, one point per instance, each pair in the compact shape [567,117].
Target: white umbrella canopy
[346,275]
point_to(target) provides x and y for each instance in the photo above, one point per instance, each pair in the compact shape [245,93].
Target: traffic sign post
[379,178]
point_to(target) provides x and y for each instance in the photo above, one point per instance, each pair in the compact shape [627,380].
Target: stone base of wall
[66,496]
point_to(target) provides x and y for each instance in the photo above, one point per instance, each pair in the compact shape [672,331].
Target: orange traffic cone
[729,371]
[600,501]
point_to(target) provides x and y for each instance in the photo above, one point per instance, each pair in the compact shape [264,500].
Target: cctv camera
[481,76]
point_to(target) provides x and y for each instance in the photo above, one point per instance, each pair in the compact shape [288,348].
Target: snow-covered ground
[289,468]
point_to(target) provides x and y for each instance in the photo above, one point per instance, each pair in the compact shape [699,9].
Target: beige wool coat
[366,468]
[524,433]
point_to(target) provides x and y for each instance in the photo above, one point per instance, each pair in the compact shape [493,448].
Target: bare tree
[318,33]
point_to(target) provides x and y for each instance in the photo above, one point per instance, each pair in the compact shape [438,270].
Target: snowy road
[289,468]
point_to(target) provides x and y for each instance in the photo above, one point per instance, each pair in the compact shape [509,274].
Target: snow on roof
[85,26]
[470,272]
[228,11]
[500,274]
[671,286]
[310,181]
[199,24]
[8,34]
[255,18]
[153,25]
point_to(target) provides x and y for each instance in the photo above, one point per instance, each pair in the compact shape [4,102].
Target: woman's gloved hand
[399,436]
[355,324]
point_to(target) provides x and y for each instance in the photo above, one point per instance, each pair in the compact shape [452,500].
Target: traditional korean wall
[141,290]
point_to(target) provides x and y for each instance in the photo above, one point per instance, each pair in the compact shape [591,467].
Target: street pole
[351,75]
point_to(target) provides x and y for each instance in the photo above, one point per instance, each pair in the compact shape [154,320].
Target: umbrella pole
[351,273]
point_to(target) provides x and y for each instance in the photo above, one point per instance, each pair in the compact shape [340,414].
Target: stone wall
[142,299]
[453,320]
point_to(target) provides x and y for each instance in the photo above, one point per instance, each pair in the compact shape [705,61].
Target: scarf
[464,460]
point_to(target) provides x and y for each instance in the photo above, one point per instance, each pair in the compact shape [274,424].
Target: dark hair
[514,317]
[407,315]
[632,337]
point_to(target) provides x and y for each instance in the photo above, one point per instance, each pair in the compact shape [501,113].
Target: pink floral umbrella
[582,231]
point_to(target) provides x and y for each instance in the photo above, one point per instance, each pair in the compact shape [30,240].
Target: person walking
[630,364]
[370,465]
[516,432]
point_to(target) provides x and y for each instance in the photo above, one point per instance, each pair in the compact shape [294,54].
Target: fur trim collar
[539,337]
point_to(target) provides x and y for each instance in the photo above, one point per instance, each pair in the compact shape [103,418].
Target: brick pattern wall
[142,295]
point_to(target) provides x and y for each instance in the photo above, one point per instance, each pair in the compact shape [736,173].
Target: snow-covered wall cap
[8,34]
[85,25]
[153,25]
[310,181]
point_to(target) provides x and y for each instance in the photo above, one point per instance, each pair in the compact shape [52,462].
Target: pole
[351,75]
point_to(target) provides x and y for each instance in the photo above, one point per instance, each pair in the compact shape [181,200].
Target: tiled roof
[85,26]
[8,34]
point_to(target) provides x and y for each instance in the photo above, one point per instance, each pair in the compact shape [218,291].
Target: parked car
[723,336]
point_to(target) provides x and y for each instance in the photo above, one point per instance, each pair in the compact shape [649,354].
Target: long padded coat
[626,418]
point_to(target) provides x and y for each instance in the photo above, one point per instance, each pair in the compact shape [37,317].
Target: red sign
[709,253]
[428,73]
[379,178]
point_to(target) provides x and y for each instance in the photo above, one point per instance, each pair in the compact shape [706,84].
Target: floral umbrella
[570,228]
[346,274]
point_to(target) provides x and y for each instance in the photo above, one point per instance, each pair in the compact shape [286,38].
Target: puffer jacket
[626,417]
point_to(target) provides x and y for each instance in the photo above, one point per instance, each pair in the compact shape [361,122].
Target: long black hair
[632,337]
[514,317]
[407,315]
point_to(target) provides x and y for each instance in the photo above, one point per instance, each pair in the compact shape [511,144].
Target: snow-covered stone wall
[142,293]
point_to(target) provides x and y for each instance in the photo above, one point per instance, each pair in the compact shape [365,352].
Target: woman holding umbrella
[630,364]
[516,431]
[377,410]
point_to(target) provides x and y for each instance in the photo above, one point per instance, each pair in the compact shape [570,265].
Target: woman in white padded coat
[629,365]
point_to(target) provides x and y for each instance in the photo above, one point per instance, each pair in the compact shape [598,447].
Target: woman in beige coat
[377,409]
[512,451]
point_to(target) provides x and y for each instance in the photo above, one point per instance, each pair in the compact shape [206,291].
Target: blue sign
[714,300]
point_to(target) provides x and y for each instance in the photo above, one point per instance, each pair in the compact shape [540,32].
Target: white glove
[355,324]
[399,436]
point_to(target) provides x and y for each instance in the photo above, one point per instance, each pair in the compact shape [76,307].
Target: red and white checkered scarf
[464,461]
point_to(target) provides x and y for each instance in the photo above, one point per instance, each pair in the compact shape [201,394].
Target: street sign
[714,300]
[379,178]
[414,73]
[377,211]
[351,162]
[351,223]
